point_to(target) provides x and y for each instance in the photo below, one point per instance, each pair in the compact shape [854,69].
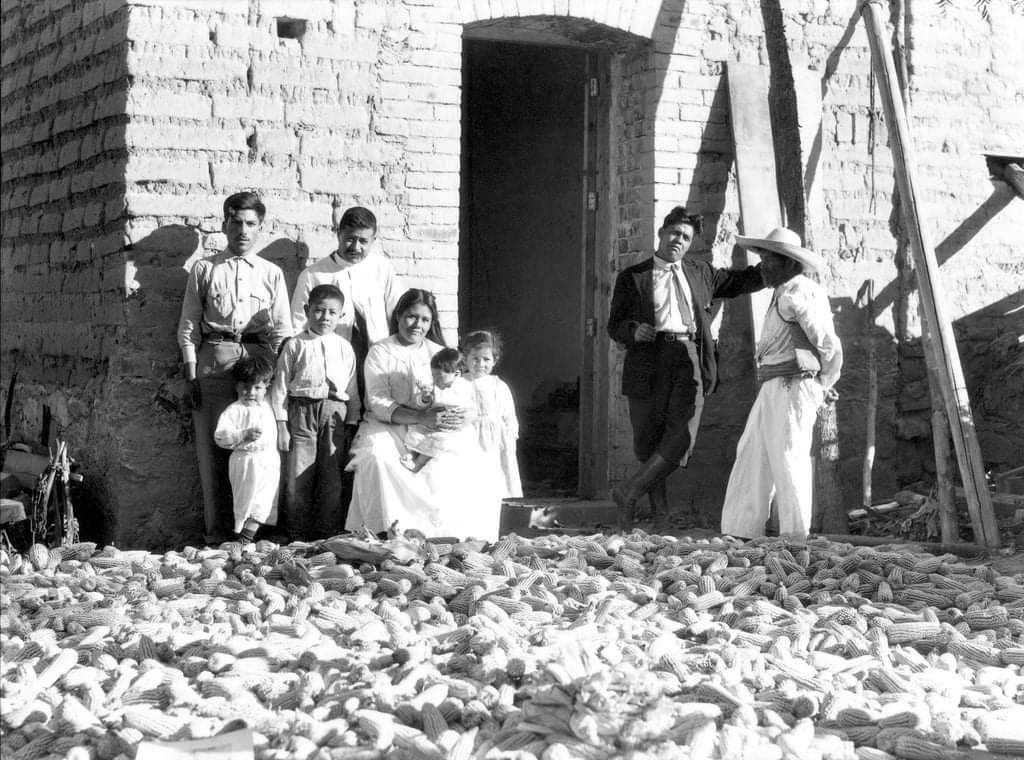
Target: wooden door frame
[595,284]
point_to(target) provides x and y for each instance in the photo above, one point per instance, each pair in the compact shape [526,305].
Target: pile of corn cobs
[633,646]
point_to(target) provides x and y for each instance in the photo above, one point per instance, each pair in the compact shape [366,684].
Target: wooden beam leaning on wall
[938,337]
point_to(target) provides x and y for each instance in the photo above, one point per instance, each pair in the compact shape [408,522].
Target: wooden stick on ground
[960,549]
[878,509]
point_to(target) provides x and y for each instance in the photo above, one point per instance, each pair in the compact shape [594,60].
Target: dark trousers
[316,461]
[214,362]
[218,513]
[667,422]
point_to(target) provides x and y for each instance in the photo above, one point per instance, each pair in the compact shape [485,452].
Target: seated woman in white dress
[457,493]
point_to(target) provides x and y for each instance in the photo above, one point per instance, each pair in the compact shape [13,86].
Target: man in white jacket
[365,276]
[798,361]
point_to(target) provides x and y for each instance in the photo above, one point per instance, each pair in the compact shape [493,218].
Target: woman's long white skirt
[455,494]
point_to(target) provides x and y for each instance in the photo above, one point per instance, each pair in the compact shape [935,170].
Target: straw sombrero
[784,242]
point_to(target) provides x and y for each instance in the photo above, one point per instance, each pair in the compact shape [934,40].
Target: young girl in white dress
[248,427]
[496,421]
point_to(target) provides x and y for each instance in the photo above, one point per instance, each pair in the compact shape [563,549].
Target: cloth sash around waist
[792,368]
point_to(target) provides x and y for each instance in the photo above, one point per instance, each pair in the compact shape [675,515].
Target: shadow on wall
[993,356]
[152,496]
[64,162]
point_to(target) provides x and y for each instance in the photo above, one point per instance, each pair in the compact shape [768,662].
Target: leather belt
[222,337]
[674,337]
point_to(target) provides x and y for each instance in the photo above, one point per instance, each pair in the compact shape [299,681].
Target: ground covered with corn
[552,648]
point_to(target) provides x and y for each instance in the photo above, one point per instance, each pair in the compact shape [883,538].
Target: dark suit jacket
[633,304]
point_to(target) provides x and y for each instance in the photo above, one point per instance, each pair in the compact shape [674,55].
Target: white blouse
[395,374]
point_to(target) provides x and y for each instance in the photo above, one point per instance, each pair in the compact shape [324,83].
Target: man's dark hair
[323,292]
[244,201]
[358,217]
[252,369]
[679,215]
[447,360]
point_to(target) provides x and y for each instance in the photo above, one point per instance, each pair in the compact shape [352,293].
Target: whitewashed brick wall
[125,124]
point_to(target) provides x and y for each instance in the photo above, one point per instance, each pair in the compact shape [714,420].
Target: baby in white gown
[450,391]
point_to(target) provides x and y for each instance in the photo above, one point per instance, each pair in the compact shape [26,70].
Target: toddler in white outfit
[450,391]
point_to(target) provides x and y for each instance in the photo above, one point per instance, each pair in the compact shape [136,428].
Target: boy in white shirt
[316,404]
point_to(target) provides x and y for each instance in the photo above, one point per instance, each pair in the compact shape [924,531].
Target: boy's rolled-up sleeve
[354,407]
[279,385]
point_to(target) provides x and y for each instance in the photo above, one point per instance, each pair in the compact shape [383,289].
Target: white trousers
[773,459]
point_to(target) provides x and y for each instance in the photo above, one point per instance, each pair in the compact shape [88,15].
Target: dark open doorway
[523,239]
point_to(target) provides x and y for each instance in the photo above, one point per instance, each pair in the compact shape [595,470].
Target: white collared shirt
[805,302]
[318,367]
[673,310]
[233,294]
[371,287]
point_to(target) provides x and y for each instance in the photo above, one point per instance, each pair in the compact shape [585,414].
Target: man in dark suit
[661,313]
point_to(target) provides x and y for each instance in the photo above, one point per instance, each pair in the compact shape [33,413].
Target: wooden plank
[807,86]
[596,283]
[760,209]
[938,337]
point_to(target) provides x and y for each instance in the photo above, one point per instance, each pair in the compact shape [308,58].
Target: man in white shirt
[799,358]
[235,304]
[366,278]
[661,313]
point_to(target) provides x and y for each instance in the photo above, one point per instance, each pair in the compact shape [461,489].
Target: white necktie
[685,312]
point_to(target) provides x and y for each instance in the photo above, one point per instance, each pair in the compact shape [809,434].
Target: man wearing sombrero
[661,313]
[798,361]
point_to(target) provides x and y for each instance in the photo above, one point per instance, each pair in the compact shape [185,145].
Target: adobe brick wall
[119,148]
[965,101]
[61,263]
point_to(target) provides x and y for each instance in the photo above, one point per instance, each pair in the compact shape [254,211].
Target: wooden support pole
[939,335]
[949,523]
[866,301]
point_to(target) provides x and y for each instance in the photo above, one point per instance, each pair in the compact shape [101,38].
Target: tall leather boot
[651,472]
